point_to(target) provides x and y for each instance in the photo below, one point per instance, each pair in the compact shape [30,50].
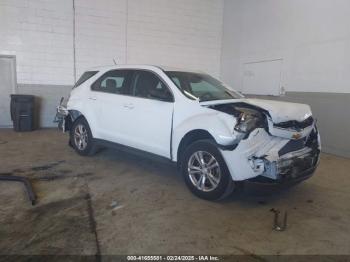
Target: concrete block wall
[177,33]
[100,33]
[40,34]
[55,41]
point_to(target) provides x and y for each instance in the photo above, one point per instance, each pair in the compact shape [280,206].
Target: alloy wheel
[204,171]
[80,137]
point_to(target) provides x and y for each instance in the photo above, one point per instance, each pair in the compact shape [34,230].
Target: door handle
[129,106]
[92,98]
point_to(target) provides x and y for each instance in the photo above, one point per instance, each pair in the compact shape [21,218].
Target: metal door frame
[14,77]
[14,80]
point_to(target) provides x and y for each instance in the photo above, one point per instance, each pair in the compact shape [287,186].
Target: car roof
[148,67]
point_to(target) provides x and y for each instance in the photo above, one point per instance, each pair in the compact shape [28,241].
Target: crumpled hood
[282,111]
[278,110]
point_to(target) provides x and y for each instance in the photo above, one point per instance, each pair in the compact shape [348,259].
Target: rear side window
[87,75]
[112,82]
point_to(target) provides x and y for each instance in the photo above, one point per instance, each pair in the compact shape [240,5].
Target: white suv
[217,137]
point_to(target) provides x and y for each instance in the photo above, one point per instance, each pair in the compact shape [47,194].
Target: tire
[82,144]
[218,183]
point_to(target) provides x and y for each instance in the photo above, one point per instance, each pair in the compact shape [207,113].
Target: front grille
[292,145]
[295,145]
[295,125]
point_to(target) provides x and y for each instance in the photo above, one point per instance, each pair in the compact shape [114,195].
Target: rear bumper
[61,118]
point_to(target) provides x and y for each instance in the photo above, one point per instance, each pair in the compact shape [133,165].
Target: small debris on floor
[310,201]
[115,206]
[276,223]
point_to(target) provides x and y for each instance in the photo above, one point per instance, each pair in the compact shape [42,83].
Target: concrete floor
[116,203]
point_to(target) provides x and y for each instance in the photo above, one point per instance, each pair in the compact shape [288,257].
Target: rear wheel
[81,138]
[205,171]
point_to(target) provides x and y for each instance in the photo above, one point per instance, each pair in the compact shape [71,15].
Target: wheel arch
[189,138]
[73,116]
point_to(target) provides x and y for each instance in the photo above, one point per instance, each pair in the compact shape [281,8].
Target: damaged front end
[295,161]
[267,151]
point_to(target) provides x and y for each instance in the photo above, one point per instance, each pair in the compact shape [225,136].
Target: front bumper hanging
[292,167]
[275,159]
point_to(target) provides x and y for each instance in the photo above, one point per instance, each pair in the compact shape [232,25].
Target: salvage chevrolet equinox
[217,137]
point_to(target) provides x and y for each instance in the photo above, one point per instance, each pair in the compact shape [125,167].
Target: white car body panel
[152,131]
[194,117]
[158,127]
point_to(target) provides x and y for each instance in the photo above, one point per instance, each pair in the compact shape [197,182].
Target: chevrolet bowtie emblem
[296,136]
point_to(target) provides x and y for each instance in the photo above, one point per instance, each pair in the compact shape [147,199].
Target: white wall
[40,34]
[100,33]
[178,33]
[311,36]
[182,33]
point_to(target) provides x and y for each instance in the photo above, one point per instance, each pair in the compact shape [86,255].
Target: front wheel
[205,171]
[81,138]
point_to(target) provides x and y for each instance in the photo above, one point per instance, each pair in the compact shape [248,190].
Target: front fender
[218,125]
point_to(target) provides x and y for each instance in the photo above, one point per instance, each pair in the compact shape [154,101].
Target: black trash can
[22,112]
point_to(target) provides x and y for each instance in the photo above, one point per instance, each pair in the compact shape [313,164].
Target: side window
[148,85]
[112,82]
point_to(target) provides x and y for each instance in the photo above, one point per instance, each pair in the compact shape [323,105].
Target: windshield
[201,86]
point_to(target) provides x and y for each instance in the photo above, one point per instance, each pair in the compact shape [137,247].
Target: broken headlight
[248,120]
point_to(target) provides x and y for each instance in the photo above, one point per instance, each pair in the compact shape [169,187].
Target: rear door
[146,123]
[107,96]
